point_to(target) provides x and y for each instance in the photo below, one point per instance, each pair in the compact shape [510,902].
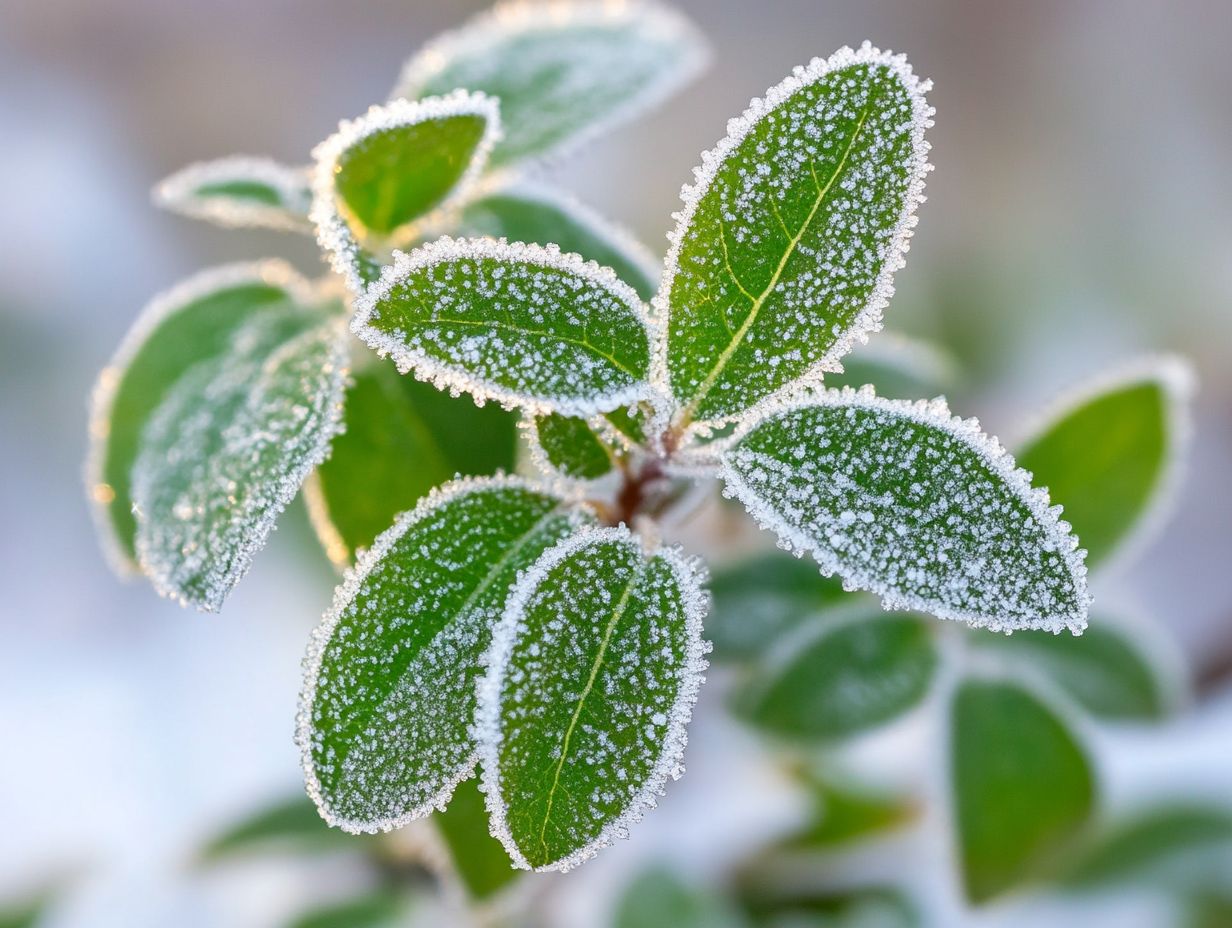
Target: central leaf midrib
[617,614]
[687,413]
[361,720]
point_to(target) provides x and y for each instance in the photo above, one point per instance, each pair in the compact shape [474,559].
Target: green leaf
[1023,787]
[591,680]
[389,686]
[378,174]
[658,898]
[564,74]
[1105,670]
[844,814]
[479,860]
[27,912]
[240,192]
[758,600]
[919,507]
[1156,846]
[228,449]
[539,215]
[1110,453]
[899,367]
[290,824]
[864,908]
[520,324]
[401,438]
[570,446]
[383,907]
[784,254]
[835,679]
[193,322]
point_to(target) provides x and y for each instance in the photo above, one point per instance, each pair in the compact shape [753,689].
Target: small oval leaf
[389,683]
[520,324]
[563,74]
[228,449]
[1023,787]
[784,255]
[570,447]
[906,501]
[240,192]
[841,677]
[591,680]
[1109,455]
[193,322]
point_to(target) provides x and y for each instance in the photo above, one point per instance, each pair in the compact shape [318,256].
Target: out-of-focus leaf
[562,74]
[898,366]
[757,600]
[384,907]
[478,858]
[870,908]
[843,814]
[1023,788]
[658,898]
[240,192]
[842,678]
[28,912]
[292,824]
[1108,454]
[401,438]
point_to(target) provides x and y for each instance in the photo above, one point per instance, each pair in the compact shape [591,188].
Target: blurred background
[1077,216]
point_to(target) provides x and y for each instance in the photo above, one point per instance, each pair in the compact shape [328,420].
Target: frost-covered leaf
[563,72]
[757,600]
[658,898]
[478,859]
[193,322]
[401,438]
[291,824]
[1023,787]
[1108,456]
[521,324]
[240,192]
[380,173]
[838,678]
[1161,845]
[382,907]
[389,688]
[898,367]
[539,215]
[910,503]
[591,680]
[784,254]
[570,446]
[1107,670]
[228,448]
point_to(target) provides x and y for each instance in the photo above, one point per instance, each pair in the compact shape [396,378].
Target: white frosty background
[1078,215]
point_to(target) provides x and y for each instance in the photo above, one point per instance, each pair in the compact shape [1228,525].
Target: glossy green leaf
[906,501]
[228,449]
[521,324]
[591,680]
[383,907]
[524,212]
[401,438]
[1156,846]
[570,446]
[784,254]
[1108,455]
[478,859]
[1105,670]
[562,75]
[1023,787]
[658,898]
[292,824]
[389,689]
[193,322]
[240,192]
[757,600]
[839,678]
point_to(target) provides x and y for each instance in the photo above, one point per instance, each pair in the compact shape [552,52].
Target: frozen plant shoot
[534,629]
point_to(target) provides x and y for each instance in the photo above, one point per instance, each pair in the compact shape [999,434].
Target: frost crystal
[240,191]
[389,688]
[592,675]
[228,449]
[521,324]
[911,503]
[564,70]
[784,254]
